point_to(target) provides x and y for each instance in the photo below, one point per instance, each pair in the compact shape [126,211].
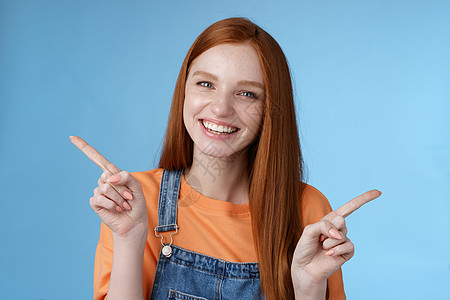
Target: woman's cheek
[196,102]
[252,115]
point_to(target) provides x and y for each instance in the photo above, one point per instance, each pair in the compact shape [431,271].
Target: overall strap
[168,200]
[167,207]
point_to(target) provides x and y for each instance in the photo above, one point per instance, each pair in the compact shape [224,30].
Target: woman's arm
[126,271]
[119,201]
[129,232]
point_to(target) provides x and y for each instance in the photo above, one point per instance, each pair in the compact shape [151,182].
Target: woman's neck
[223,179]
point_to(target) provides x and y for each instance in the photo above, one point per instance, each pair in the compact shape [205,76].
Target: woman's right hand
[118,199]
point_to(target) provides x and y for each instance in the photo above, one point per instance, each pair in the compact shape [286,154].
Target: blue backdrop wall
[372,85]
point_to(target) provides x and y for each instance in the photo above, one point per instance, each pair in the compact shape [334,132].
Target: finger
[110,192]
[123,191]
[103,178]
[101,202]
[323,227]
[333,242]
[124,178]
[346,250]
[351,206]
[339,223]
[94,155]
[322,238]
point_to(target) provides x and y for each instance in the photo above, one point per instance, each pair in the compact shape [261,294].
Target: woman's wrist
[135,238]
[307,287]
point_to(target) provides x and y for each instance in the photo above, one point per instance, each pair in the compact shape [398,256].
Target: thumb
[124,178]
[313,232]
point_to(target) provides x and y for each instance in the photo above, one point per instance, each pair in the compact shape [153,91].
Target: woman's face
[224,99]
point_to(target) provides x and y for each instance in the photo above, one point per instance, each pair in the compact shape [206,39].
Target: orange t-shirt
[212,227]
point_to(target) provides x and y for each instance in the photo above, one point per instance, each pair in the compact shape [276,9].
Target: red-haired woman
[231,216]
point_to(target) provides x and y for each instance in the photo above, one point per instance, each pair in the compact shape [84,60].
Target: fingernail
[118,208]
[114,178]
[128,195]
[329,252]
[334,233]
[126,206]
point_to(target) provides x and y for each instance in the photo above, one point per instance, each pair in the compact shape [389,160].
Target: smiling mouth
[218,129]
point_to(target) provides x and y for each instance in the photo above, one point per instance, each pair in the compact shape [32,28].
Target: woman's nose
[222,105]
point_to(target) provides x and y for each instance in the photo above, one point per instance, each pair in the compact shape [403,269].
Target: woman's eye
[205,84]
[249,94]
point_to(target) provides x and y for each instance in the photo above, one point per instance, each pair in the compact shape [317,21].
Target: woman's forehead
[233,59]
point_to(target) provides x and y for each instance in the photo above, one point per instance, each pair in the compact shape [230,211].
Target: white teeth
[218,128]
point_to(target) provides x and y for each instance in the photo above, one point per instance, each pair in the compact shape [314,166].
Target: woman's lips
[217,130]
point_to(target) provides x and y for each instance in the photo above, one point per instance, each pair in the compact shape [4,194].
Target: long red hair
[274,159]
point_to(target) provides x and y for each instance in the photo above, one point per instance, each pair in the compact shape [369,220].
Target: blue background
[372,82]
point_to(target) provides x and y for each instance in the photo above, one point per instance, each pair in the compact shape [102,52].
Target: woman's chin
[215,153]
[222,151]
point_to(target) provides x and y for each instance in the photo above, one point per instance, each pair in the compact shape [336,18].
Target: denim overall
[184,274]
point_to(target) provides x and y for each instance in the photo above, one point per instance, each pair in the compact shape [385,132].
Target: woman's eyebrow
[205,74]
[241,82]
[251,83]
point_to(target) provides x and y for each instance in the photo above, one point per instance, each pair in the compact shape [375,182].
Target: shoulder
[314,205]
[149,179]
[150,182]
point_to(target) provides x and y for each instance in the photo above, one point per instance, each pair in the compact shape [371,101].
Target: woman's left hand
[324,247]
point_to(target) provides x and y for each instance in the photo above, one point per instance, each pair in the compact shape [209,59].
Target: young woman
[231,215]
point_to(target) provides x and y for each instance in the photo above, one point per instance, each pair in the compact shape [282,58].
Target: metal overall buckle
[166,249]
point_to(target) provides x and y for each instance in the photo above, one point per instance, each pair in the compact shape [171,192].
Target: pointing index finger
[351,206]
[94,155]
[354,204]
